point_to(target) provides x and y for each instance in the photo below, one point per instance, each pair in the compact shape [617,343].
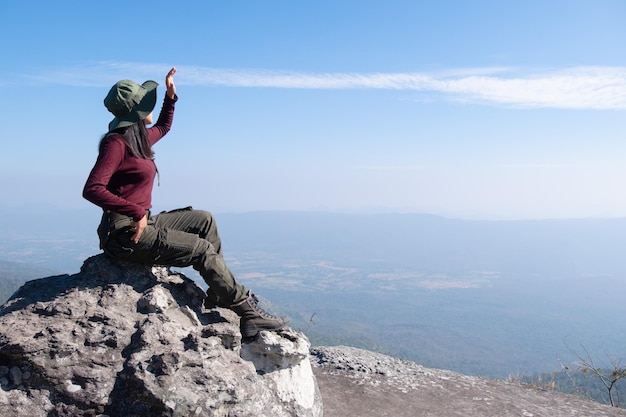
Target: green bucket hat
[130,102]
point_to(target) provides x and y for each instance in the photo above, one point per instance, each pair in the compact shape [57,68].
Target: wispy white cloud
[536,166]
[573,88]
[390,167]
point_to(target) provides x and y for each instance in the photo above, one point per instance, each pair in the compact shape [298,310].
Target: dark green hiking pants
[179,238]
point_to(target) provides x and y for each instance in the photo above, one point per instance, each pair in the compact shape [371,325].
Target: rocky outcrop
[129,340]
[356,382]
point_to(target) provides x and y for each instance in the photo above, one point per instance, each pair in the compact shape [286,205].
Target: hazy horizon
[480,297]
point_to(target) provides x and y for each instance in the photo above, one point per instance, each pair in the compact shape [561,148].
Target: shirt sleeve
[112,151]
[164,122]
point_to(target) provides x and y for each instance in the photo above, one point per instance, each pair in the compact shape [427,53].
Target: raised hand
[169,83]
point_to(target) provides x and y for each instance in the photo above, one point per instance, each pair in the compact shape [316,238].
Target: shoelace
[255,305]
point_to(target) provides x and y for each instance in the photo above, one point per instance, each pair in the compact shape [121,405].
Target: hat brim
[141,110]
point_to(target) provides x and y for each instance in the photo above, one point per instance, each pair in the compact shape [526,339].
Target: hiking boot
[254,318]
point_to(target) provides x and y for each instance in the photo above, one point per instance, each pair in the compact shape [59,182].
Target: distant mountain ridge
[412,239]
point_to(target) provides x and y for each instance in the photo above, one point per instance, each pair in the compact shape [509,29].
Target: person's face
[148,119]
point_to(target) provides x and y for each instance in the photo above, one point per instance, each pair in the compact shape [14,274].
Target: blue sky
[471,109]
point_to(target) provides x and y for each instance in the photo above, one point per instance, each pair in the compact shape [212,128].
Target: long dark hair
[136,138]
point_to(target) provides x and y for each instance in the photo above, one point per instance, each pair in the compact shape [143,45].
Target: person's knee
[206,216]
[205,213]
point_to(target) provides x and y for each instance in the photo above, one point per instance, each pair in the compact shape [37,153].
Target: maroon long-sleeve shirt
[121,182]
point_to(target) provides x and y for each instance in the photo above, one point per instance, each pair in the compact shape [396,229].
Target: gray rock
[120,339]
[356,382]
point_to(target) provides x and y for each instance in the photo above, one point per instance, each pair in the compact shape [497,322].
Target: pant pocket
[177,248]
[119,244]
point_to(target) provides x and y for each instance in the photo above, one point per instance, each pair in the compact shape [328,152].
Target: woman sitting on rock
[121,184]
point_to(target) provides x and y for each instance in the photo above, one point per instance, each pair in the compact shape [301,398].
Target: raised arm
[166,117]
